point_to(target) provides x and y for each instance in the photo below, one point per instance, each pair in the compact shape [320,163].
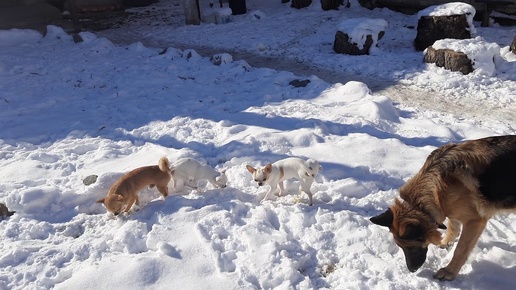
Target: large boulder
[451,20]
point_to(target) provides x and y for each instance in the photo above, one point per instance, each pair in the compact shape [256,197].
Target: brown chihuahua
[125,191]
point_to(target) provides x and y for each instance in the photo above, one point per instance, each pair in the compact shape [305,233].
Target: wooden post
[72,7]
[192,12]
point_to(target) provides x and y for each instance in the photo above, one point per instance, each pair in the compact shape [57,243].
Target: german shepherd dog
[467,183]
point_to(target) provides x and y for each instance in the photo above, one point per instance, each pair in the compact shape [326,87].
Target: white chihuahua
[188,172]
[274,174]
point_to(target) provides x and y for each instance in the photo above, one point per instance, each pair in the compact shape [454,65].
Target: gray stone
[77,38]
[89,180]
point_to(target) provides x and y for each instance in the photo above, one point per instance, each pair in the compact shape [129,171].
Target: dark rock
[299,83]
[4,211]
[513,45]
[449,59]
[90,180]
[432,28]
[77,38]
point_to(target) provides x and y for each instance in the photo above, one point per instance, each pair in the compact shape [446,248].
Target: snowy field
[71,110]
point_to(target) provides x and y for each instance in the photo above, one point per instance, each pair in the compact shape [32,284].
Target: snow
[104,107]
[447,9]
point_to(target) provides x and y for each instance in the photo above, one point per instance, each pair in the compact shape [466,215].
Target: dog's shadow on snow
[485,274]
[225,198]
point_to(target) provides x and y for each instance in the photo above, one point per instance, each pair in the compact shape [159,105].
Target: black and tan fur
[467,183]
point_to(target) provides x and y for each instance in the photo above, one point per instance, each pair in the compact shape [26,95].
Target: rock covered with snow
[359,35]
[221,58]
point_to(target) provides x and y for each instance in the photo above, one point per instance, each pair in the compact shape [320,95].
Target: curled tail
[164,164]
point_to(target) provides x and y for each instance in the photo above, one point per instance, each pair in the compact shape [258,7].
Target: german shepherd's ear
[384,219]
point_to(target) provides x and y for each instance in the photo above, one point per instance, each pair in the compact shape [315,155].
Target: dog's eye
[265,179]
[256,180]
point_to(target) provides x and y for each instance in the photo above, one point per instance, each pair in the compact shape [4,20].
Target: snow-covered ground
[301,41]
[71,110]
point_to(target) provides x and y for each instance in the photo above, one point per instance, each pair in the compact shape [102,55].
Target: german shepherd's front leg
[451,234]
[468,239]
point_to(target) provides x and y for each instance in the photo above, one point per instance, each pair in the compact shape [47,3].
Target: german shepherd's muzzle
[467,184]
[415,257]
[412,239]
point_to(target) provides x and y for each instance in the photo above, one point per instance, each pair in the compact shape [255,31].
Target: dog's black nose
[260,184]
[414,257]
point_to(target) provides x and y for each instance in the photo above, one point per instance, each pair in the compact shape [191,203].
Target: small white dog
[188,172]
[275,173]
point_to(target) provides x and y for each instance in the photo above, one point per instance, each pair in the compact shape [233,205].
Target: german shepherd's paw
[445,274]
[445,245]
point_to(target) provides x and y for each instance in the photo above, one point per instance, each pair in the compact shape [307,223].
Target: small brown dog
[125,190]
